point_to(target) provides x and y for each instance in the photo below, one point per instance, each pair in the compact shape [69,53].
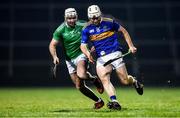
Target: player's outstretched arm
[52,50]
[85,50]
[127,37]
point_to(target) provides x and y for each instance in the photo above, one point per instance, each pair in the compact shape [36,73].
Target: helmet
[94,11]
[70,12]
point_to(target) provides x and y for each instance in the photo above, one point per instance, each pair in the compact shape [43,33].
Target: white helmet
[94,11]
[70,12]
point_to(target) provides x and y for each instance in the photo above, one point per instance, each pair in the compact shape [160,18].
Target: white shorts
[72,64]
[116,64]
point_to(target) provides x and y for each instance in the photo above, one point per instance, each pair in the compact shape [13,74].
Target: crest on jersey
[105,27]
[102,53]
[91,31]
[97,29]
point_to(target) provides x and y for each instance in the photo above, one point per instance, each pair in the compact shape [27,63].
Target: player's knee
[82,76]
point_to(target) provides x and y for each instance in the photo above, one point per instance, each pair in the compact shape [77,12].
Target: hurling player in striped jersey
[102,32]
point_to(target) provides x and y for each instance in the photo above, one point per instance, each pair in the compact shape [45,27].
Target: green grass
[68,102]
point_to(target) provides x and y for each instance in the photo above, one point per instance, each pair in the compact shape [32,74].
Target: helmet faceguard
[94,11]
[70,12]
[70,16]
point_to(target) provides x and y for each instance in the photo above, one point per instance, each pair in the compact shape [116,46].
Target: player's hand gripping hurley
[54,69]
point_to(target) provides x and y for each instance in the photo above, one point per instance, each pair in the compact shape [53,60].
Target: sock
[131,79]
[99,100]
[87,92]
[113,98]
[90,76]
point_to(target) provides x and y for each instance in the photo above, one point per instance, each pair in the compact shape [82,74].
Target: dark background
[26,28]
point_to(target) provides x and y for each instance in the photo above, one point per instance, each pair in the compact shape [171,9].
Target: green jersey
[70,38]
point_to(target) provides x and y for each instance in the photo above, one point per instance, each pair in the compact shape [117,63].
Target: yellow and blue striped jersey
[103,36]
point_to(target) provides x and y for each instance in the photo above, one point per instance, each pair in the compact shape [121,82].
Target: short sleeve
[116,25]
[57,33]
[85,36]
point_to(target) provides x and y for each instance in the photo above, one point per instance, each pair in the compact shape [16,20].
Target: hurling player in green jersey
[69,35]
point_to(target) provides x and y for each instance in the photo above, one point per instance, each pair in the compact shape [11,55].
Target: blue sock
[113,97]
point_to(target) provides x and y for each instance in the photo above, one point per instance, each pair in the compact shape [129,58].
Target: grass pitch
[68,102]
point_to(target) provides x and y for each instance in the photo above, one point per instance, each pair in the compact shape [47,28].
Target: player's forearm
[127,37]
[85,50]
[52,50]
